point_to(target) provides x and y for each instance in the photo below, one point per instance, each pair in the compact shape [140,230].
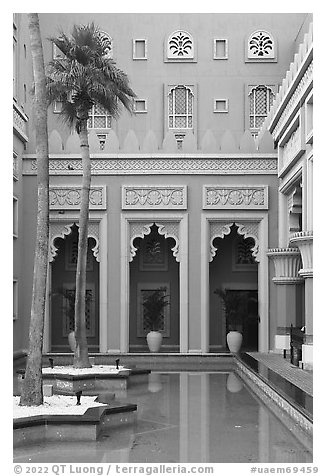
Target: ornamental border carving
[218,229]
[168,229]
[144,166]
[135,197]
[62,229]
[69,197]
[235,197]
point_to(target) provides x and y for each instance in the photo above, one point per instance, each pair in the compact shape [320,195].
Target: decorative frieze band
[235,197]
[70,198]
[156,197]
[159,165]
[287,262]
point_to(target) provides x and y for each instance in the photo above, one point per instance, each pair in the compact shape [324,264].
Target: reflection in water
[234,383]
[184,417]
[154,382]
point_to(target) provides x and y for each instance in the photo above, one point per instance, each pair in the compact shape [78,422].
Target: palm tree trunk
[32,391]
[81,359]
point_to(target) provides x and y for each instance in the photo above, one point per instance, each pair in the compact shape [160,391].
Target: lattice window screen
[180,108]
[260,101]
[69,310]
[99,118]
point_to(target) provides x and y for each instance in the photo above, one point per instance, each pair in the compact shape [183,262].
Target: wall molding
[169,164]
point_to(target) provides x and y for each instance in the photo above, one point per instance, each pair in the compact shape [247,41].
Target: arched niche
[166,229]
[247,230]
[61,230]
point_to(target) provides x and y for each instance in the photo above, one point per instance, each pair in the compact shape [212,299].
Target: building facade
[202,187]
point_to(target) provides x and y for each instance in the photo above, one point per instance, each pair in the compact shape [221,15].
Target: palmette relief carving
[70,197]
[235,197]
[153,197]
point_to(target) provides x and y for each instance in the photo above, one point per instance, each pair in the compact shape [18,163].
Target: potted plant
[234,305]
[154,304]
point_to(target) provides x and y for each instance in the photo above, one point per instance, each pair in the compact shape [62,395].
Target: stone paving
[301,378]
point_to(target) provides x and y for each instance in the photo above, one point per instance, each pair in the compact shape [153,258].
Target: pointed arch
[247,230]
[166,229]
[63,229]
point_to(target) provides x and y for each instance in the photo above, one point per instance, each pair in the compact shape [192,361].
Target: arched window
[261,46]
[260,101]
[107,43]
[180,46]
[99,118]
[180,107]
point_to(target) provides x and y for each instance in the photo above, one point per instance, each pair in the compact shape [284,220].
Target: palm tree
[82,77]
[32,392]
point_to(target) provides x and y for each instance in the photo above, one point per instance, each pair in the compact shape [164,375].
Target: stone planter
[234,341]
[154,341]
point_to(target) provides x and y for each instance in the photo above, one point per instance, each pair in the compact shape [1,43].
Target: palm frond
[85,76]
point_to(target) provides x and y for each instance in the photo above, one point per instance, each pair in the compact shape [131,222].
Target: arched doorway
[233,268]
[63,277]
[154,266]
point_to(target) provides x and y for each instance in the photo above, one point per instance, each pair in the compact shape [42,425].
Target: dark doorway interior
[63,293]
[250,319]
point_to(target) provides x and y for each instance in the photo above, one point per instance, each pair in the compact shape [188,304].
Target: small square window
[56,52]
[220,48]
[140,106]
[57,107]
[221,105]
[15,299]
[15,217]
[15,166]
[139,50]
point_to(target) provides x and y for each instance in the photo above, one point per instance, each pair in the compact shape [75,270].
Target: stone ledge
[63,427]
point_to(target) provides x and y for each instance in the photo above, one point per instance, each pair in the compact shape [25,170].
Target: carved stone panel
[156,197]
[69,198]
[235,197]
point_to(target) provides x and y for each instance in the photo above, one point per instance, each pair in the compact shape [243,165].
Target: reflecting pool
[185,417]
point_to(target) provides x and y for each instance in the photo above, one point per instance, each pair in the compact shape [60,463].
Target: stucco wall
[226,79]
[194,211]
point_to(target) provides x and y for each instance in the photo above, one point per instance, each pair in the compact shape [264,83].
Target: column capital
[304,241]
[287,263]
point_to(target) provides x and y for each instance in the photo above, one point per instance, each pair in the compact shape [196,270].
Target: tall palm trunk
[81,350]
[32,392]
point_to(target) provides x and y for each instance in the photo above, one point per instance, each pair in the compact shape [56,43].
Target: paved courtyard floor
[303,379]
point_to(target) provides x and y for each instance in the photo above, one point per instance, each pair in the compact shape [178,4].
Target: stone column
[287,263]
[304,241]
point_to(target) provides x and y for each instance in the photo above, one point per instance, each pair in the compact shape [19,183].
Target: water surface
[185,417]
